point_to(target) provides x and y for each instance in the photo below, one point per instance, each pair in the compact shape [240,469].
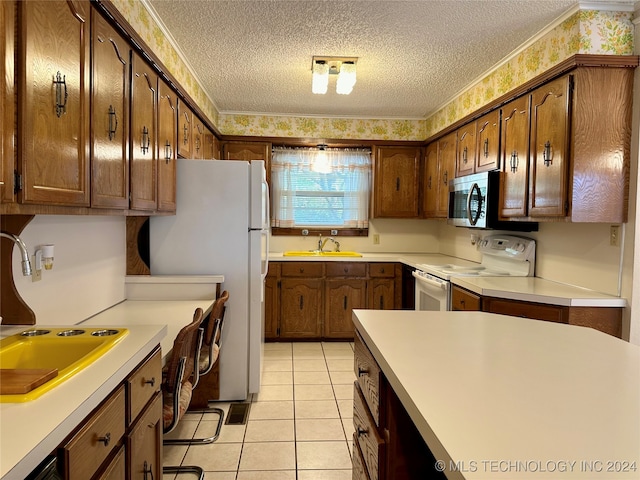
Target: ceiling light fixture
[343,67]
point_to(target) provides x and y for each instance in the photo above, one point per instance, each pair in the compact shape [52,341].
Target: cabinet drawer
[464,300]
[538,311]
[346,269]
[382,270]
[369,440]
[302,269]
[142,384]
[88,448]
[368,373]
[359,471]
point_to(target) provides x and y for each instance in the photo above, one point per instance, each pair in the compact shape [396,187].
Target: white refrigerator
[221,226]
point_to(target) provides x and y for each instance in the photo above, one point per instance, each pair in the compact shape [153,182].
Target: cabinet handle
[145,140]
[445,177]
[197,144]
[60,82]
[462,303]
[106,439]
[361,431]
[381,302]
[148,470]
[345,303]
[301,270]
[429,183]
[112,118]
[186,137]
[362,371]
[167,152]
[464,155]
[151,382]
[546,154]
[514,161]
[301,302]
[382,270]
[397,184]
[486,147]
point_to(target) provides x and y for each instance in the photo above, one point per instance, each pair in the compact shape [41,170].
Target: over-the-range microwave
[474,201]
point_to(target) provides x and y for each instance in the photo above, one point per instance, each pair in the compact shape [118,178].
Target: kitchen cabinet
[440,164]
[109,116]
[466,149]
[271,302]
[301,300]
[166,145]
[197,138]
[53,94]
[430,181]
[464,300]
[488,142]
[387,445]
[185,130]
[345,288]
[211,145]
[385,280]
[247,151]
[144,112]
[395,184]
[7,106]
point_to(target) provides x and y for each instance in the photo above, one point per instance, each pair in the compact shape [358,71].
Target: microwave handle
[473,220]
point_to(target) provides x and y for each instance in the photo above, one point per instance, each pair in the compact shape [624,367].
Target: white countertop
[32,430]
[498,394]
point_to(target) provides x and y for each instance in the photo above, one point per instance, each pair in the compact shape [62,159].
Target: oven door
[432,293]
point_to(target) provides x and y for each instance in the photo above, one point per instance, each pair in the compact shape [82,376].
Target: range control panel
[508,246]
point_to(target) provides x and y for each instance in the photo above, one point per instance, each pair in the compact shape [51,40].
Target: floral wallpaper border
[586,31]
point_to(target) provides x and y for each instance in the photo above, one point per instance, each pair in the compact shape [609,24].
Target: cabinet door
[300,308]
[462,299]
[381,294]
[515,149]
[341,297]
[167,141]
[247,151]
[488,142]
[117,467]
[446,166]
[197,138]
[466,150]
[144,443]
[211,145]
[271,307]
[430,181]
[7,106]
[109,116]
[54,101]
[185,130]
[548,155]
[144,166]
[397,171]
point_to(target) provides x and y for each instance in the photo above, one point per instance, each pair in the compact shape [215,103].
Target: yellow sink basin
[68,350]
[315,253]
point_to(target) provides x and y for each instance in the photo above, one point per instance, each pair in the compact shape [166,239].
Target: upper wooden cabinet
[53,111]
[185,130]
[466,149]
[211,145]
[197,138]
[109,116]
[166,144]
[7,107]
[430,181]
[396,185]
[446,169]
[144,165]
[488,142]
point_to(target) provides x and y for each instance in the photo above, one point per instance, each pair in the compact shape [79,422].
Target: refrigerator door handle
[266,225]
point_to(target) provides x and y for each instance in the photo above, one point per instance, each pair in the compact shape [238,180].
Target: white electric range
[502,256]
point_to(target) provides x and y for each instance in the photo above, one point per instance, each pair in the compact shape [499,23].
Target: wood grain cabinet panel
[144,443]
[466,149]
[197,138]
[144,114]
[369,378]
[7,104]
[430,181]
[462,299]
[369,440]
[53,112]
[185,130]
[301,308]
[446,172]
[488,138]
[397,171]
[109,116]
[117,467]
[143,383]
[167,145]
[341,297]
[271,302]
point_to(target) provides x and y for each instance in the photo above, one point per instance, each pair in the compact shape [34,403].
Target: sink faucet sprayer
[26,264]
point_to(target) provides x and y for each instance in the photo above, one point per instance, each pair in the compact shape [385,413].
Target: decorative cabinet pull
[361,431]
[147,469]
[151,382]
[486,147]
[346,270]
[113,119]
[197,144]
[429,183]
[301,302]
[397,184]
[382,270]
[186,137]
[61,100]
[464,155]
[167,151]
[145,140]
[513,163]
[381,302]
[301,270]
[445,177]
[106,439]
[546,154]
[362,371]
[345,303]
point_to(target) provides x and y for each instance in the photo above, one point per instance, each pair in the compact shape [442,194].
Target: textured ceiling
[254,56]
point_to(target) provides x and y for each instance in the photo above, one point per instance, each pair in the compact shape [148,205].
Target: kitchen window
[320,189]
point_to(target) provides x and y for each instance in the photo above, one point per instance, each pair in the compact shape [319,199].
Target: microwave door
[475,205]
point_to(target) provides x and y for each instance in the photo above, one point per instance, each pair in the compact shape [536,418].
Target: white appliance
[502,255]
[221,227]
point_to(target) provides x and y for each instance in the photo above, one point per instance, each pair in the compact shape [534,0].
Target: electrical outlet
[614,235]
[36,274]
[376,239]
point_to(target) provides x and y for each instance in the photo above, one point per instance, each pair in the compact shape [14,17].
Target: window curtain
[352,165]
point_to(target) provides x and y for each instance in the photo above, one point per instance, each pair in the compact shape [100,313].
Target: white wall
[89,267]
[407,236]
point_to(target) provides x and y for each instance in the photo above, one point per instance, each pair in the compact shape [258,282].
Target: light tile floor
[299,427]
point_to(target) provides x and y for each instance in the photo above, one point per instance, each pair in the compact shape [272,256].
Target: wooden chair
[209,357]
[178,378]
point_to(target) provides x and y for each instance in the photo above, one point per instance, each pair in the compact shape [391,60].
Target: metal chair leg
[200,441]
[185,469]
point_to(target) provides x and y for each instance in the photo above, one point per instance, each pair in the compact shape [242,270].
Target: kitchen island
[497,397]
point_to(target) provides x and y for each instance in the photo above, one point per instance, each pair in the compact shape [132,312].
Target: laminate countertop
[497,397]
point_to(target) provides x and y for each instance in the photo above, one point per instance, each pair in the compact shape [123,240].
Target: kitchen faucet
[322,243]
[26,264]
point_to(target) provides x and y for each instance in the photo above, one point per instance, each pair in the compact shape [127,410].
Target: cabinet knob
[361,431]
[362,371]
[106,439]
[151,381]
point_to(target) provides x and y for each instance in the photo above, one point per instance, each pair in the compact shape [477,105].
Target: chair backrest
[214,326]
[186,348]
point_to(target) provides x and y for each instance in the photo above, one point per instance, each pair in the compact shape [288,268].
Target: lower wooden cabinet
[314,300]
[144,443]
[462,299]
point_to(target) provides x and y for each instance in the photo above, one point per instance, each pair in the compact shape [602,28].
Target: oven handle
[428,281]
